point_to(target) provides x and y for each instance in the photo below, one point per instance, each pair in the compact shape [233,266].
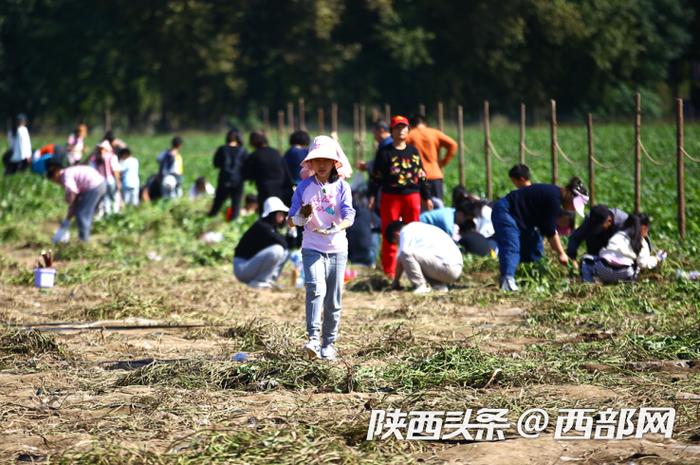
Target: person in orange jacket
[429,141]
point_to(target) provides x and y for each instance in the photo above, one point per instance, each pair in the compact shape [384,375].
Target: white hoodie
[619,252]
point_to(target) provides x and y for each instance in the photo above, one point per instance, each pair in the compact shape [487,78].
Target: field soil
[54,404]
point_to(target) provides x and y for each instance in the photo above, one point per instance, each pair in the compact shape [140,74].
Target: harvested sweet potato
[306,210]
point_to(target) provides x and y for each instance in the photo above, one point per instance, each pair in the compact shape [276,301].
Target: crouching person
[627,252]
[262,251]
[430,257]
[84,188]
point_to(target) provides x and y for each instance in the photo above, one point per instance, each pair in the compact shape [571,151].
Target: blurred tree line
[174,63]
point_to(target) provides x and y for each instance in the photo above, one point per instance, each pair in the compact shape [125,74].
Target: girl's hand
[328,231]
[300,220]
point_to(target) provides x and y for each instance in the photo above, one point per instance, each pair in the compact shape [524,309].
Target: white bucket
[44,277]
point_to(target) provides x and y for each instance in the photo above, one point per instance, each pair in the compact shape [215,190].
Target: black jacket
[268,169]
[229,160]
[260,236]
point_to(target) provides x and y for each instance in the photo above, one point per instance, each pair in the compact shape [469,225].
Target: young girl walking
[322,205]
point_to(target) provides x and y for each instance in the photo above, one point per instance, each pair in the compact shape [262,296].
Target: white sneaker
[312,349]
[422,289]
[329,353]
[440,288]
[260,285]
[508,284]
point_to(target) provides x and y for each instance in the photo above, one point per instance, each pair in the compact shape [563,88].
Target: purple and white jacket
[331,203]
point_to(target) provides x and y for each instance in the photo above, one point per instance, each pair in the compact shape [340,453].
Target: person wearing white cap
[536,206]
[262,251]
[322,205]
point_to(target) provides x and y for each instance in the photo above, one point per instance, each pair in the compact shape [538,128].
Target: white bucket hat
[326,147]
[273,204]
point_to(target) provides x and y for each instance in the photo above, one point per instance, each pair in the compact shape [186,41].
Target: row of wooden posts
[360,131]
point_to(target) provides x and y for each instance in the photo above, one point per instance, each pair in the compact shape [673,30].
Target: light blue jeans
[323,275]
[262,268]
[85,206]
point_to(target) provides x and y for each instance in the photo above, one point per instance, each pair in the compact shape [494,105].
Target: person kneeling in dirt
[598,227]
[262,251]
[627,252]
[429,256]
[84,187]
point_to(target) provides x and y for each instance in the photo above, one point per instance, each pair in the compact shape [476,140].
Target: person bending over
[521,211]
[84,188]
[520,176]
[598,227]
[429,256]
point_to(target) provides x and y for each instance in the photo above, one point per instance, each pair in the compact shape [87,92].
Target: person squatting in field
[627,252]
[262,251]
[398,172]
[322,205]
[428,255]
[536,206]
[84,187]
[475,226]
[597,228]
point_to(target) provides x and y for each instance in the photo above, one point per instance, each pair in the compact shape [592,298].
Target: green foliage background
[194,63]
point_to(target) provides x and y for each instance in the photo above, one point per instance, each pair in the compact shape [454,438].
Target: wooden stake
[441,117]
[290,117]
[553,140]
[302,115]
[591,157]
[487,150]
[362,132]
[334,118]
[355,130]
[460,136]
[421,109]
[680,166]
[637,152]
[321,121]
[522,133]
[280,129]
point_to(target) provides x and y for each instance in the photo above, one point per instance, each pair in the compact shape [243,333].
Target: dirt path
[52,404]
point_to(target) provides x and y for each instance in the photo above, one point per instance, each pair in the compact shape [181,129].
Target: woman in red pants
[399,173]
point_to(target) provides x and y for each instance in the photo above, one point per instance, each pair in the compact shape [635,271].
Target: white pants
[423,267]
